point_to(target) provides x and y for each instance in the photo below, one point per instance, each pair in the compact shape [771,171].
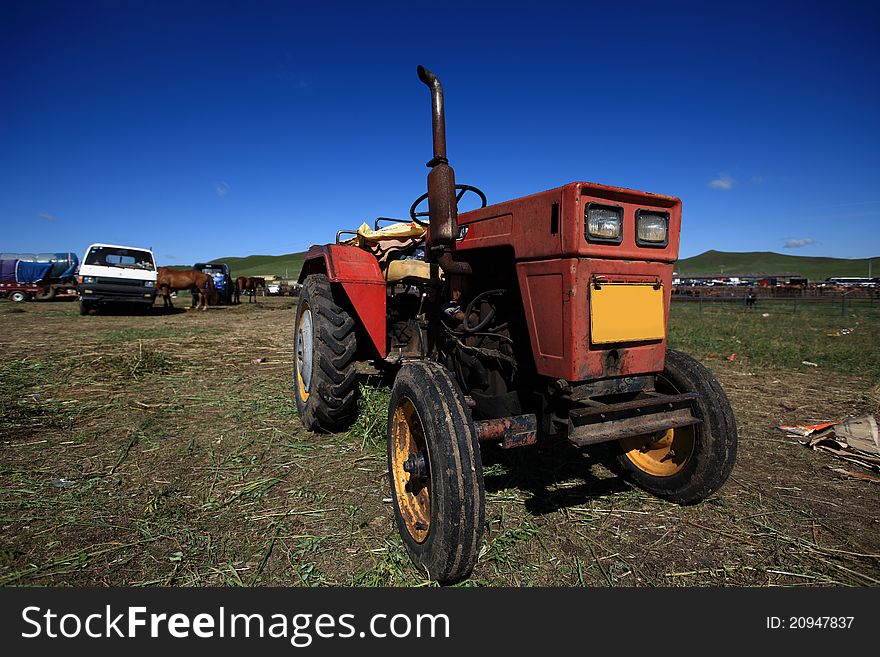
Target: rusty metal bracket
[514,431]
[595,422]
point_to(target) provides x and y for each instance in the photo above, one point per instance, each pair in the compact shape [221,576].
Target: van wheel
[324,361]
[436,472]
[688,464]
[18,296]
[85,307]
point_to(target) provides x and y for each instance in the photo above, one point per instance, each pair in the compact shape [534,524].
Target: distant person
[750,299]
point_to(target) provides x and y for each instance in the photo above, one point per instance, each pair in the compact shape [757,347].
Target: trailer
[40,276]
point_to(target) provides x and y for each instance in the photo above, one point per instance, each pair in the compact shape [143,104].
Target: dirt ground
[166,450]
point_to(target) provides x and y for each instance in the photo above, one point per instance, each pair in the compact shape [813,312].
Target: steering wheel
[464,189]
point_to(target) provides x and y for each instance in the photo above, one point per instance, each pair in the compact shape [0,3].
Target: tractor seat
[389,244]
[408,270]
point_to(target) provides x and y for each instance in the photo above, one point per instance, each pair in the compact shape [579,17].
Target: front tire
[84,307]
[18,297]
[436,472]
[684,465]
[324,361]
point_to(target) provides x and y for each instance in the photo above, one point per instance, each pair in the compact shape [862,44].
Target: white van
[110,273]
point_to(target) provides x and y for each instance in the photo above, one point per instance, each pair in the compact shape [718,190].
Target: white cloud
[798,243]
[221,188]
[723,182]
[45,216]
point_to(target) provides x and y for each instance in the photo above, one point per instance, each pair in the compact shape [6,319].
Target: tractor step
[595,422]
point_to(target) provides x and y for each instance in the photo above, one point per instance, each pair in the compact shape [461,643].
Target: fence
[839,304]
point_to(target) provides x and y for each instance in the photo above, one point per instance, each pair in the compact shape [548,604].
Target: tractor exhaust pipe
[442,206]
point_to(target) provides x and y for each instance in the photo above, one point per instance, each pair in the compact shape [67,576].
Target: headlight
[88,279]
[652,228]
[604,223]
[150,284]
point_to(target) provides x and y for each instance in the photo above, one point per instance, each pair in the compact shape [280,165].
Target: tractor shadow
[537,469]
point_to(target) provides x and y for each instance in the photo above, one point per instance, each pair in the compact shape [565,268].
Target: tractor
[541,317]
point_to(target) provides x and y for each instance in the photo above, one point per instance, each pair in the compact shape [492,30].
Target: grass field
[166,450]
[784,339]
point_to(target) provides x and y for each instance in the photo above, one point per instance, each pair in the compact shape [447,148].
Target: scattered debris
[63,482]
[855,440]
[806,430]
[849,474]
[839,332]
[257,361]
[732,357]
[810,363]
[765,314]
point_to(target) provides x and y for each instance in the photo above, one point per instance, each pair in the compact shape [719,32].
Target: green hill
[767,262]
[710,262]
[286,266]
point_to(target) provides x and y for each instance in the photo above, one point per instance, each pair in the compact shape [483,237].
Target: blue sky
[209,129]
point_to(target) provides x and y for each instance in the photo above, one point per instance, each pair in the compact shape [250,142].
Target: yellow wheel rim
[661,455]
[413,493]
[304,351]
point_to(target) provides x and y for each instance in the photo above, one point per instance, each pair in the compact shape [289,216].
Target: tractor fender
[357,272]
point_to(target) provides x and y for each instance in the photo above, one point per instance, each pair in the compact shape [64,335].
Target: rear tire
[685,465]
[324,360]
[48,295]
[436,472]
[18,296]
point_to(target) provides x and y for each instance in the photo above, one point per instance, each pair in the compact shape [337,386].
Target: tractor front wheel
[324,361]
[688,464]
[436,472]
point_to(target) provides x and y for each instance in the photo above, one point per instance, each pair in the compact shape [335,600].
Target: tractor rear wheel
[436,472]
[688,464]
[324,362]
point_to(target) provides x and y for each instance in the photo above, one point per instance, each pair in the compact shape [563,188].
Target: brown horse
[240,286]
[249,285]
[257,283]
[184,279]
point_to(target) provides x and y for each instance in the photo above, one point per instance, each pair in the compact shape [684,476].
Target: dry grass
[165,450]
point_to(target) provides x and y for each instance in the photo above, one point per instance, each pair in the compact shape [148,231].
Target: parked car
[115,274]
[223,282]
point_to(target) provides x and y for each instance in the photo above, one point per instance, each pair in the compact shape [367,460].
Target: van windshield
[114,256]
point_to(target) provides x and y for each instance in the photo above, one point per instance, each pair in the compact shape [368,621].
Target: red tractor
[541,316]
